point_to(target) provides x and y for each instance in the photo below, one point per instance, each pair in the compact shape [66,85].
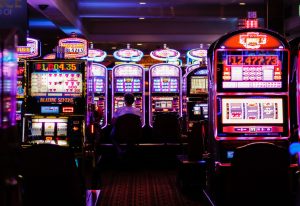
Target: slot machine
[97,89]
[55,106]
[195,95]
[248,94]
[165,91]
[128,77]
[30,51]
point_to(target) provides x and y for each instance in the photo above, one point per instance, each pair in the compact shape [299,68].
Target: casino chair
[260,176]
[167,128]
[128,131]
[50,176]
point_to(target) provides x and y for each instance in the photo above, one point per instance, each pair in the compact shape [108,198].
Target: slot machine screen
[165,85]
[56,79]
[128,84]
[252,70]
[198,85]
[99,85]
[163,105]
[198,111]
[252,116]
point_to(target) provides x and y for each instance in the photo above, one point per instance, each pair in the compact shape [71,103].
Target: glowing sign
[128,70]
[165,54]
[50,56]
[97,70]
[74,47]
[96,55]
[253,40]
[165,70]
[129,54]
[32,49]
[197,54]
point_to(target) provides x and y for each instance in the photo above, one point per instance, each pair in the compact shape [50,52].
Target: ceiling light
[142,3]
[242,3]
[139,44]
[113,47]
[223,18]
[141,18]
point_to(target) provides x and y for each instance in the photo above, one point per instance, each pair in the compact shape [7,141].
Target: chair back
[260,175]
[166,126]
[50,176]
[128,128]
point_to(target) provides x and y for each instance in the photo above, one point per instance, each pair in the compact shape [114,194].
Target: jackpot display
[126,78]
[56,101]
[165,90]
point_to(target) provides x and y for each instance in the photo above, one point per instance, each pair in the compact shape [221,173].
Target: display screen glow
[252,111]
[165,84]
[252,70]
[128,84]
[198,85]
[252,60]
[56,84]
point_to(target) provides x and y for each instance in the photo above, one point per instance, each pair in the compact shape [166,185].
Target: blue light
[69,30]
[294,148]
[42,23]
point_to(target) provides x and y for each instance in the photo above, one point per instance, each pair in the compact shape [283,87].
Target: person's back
[126,110]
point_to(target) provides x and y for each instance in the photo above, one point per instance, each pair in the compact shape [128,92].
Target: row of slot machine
[56,98]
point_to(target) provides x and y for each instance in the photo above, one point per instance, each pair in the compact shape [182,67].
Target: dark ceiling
[149,24]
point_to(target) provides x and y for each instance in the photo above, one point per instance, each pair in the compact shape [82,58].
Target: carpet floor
[145,186]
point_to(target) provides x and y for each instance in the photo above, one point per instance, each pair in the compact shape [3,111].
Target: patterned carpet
[144,187]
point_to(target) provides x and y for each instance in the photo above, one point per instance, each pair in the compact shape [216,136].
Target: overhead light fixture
[242,3]
[141,18]
[113,47]
[142,3]
[139,44]
[223,18]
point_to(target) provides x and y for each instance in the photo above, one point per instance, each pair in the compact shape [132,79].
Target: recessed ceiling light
[139,44]
[242,3]
[142,3]
[141,18]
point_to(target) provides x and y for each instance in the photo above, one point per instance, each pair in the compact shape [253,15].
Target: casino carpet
[144,186]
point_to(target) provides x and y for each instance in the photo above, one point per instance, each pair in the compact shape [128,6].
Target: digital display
[200,109]
[198,85]
[49,128]
[252,111]
[99,85]
[36,128]
[56,84]
[128,84]
[165,84]
[49,109]
[61,129]
[252,70]
[252,60]
[163,104]
[53,66]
